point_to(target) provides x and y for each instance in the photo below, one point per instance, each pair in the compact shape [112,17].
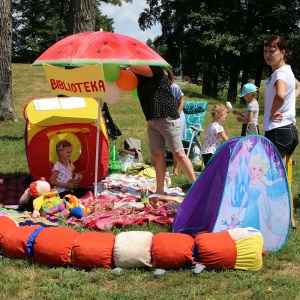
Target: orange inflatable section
[172,250]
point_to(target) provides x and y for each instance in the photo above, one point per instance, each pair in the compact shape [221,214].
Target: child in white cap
[250,93]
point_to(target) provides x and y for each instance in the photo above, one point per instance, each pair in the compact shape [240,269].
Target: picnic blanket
[118,203]
[104,215]
[25,219]
[128,187]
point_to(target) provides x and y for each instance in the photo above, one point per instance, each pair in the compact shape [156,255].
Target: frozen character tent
[243,185]
[50,120]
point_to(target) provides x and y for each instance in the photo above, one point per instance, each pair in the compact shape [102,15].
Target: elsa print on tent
[254,195]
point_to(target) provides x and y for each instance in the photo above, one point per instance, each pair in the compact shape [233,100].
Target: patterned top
[64,174]
[252,106]
[212,139]
[155,95]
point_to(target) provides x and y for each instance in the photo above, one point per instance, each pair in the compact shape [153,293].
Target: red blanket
[104,215]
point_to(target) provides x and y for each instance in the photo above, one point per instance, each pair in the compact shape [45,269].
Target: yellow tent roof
[61,110]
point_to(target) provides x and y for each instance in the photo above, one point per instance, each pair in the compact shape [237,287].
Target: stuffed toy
[75,206]
[78,177]
[49,204]
[35,190]
[41,201]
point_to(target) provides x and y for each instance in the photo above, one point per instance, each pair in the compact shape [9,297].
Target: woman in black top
[161,111]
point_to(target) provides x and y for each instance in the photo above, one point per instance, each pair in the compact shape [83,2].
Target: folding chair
[195,112]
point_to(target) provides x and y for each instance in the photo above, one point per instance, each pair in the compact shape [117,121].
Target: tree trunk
[258,75]
[6,104]
[233,82]
[207,88]
[82,16]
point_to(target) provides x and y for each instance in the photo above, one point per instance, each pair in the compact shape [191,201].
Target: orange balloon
[127,81]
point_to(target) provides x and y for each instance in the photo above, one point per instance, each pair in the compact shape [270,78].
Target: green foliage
[39,24]
[218,39]
[36,26]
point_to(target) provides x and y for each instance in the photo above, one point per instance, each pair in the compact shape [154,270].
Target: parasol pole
[97,148]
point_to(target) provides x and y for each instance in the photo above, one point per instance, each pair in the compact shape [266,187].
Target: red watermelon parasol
[100,47]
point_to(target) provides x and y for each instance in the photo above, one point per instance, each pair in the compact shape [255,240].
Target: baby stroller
[195,112]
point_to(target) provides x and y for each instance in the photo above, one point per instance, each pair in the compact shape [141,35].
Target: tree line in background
[39,24]
[29,27]
[214,40]
[219,40]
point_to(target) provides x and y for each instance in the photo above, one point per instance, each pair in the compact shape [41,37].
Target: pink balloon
[113,93]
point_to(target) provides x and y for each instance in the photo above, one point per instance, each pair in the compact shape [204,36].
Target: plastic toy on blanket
[239,248]
[114,164]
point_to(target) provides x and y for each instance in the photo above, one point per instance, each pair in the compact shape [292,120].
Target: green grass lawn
[19,279]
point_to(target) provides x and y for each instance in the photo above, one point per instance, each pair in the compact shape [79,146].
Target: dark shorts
[284,138]
[244,128]
[206,157]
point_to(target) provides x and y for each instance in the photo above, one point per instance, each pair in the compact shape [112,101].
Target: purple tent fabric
[243,185]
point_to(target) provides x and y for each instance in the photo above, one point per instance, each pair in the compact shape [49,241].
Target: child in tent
[62,172]
[250,92]
[214,133]
[178,94]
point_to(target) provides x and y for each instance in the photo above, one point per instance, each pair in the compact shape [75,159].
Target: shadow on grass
[19,174]
[194,94]
[11,138]
[297,201]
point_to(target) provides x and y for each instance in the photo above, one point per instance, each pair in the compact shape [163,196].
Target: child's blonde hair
[255,94]
[218,110]
[62,144]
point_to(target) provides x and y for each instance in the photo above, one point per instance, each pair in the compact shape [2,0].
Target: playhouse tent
[71,118]
[243,185]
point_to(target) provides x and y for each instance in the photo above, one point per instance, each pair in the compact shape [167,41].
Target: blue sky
[126,19]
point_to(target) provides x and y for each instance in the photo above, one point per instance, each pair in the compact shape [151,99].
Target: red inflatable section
[172,250]
[93,250]
[53,246]
[5,225]
[14,243]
